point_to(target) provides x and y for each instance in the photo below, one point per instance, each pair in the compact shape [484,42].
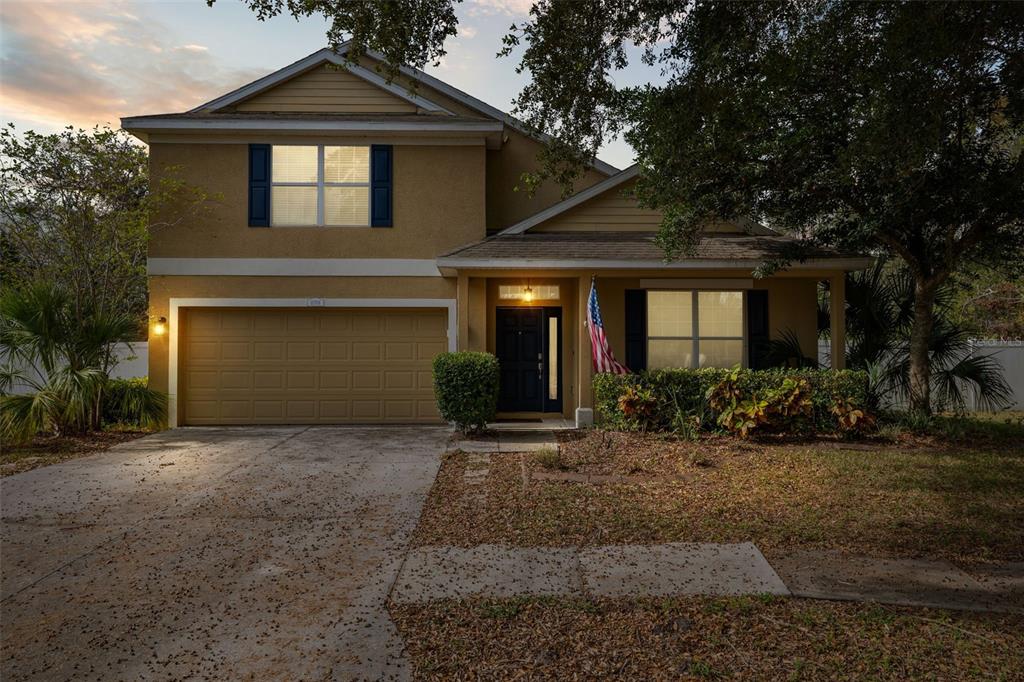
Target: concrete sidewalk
[676,569]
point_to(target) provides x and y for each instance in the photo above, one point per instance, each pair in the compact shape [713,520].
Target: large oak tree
[888,128]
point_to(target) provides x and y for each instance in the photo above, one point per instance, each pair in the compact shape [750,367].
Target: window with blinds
[320,186]
[695,329]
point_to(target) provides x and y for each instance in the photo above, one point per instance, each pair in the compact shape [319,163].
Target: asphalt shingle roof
[626,246]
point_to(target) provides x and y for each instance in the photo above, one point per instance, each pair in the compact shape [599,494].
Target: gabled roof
[327,55]
[620,178]
[305,64]
[575,200]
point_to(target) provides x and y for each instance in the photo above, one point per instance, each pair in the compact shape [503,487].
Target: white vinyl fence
[1009,353]
[133,361]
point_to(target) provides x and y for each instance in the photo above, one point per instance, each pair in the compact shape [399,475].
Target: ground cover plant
[704,638]
[741,401]
[958,495]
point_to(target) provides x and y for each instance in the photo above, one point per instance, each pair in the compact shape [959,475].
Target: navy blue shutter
[757,329]
[259,185]
[636,329]
[380,185]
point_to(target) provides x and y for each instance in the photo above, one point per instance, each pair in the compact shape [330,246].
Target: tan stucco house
[360,227]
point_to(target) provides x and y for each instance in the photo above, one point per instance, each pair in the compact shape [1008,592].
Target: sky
[67,62]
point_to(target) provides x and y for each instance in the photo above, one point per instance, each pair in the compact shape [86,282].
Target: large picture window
[320,185]
[694,329]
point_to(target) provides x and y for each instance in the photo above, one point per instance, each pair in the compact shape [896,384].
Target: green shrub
[132,403]
[466,387]
[682,396]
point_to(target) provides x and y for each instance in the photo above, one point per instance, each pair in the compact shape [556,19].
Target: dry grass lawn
[924,498]
[703,638]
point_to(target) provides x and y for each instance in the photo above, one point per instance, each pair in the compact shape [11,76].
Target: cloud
[84,64]
[511,8]
[467,32]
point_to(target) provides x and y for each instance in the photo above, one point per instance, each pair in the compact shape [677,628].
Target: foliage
[65,361]
[852,418]
[403,32]
[130,402]
[738,400]
[76,209]
[989,302]
[466,387]
[637,405]
[879,317]
[785,407]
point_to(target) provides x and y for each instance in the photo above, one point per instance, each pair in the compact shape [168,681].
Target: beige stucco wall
[505,168]
[438,205]
[162,289]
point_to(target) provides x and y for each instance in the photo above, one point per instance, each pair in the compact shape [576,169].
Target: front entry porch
[535,323]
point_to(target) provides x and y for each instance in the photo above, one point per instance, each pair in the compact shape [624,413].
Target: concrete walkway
[250,553]
[504,441]
[431,573]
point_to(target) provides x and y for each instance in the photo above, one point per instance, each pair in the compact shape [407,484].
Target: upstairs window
[320,186]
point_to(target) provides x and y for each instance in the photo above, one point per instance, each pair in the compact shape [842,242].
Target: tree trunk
[920,336]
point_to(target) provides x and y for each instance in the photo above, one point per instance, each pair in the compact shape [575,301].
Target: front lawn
[704,638]
[959,498]
[45,450]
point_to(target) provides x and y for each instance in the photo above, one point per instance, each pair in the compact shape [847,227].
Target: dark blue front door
[520,348]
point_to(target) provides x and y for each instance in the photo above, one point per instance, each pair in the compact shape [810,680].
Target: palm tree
[64,356]
[879,314]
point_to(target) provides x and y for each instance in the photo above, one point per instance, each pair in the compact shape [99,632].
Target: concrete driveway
[247,553]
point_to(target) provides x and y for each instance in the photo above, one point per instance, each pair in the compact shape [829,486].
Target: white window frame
[695,336]
[320,184]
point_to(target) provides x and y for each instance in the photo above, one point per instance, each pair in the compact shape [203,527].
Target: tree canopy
[76,208]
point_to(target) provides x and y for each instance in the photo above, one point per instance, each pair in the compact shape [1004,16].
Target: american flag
[604,361]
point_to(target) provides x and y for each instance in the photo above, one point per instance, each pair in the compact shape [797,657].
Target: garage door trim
[177,303]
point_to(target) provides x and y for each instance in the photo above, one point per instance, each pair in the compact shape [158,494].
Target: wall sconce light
[160,327]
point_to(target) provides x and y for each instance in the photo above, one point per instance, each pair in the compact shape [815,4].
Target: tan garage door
[309,366]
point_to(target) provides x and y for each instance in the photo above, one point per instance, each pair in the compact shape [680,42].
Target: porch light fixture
[160,328]
[528,294]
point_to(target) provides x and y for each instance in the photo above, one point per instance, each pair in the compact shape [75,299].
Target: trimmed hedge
[466,387]
[680,395]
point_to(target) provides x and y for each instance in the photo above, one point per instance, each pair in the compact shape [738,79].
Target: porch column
[583,352]
[837,318]
[462,306]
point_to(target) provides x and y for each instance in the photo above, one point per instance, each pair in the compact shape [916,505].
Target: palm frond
[23,416]
[980,374]
[786,352]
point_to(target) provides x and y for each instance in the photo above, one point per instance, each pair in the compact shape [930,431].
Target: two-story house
[361,227]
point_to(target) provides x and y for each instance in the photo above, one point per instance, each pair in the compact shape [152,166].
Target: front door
[528,346]
[520,349]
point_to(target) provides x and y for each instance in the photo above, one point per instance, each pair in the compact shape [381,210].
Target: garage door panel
[244,366]
[334,350]
[235,350]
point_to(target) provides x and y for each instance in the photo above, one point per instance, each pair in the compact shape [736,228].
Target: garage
[309,365]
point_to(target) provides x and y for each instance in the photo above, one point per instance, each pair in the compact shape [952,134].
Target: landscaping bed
[911,497]
[45,450]
[704,638]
